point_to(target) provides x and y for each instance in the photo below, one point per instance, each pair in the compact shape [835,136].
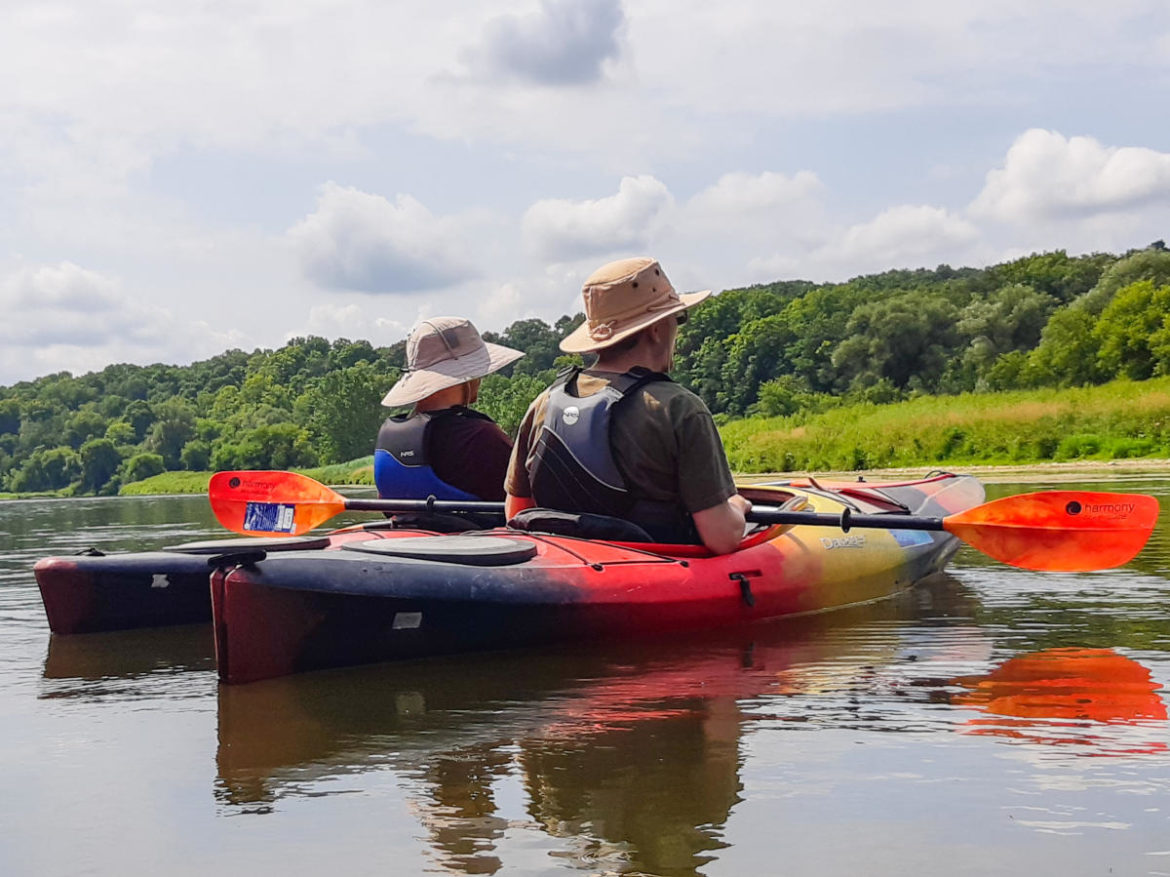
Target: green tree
[142,466]
[1149,264]
[9,417]
[173,428]
[82,426]
[1126,327]
[196,455]
[1054,274]
[344,411]
[99,463]
[120,433]
[906,339]
[140,416]
[784,396]
[50,469]
[1067,353]
[280,446]
[505,400]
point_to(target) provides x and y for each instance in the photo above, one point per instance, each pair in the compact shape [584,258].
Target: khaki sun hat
[622,298]
[442,352]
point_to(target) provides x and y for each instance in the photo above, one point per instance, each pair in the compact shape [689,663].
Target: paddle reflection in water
[626,759]
[1068,696]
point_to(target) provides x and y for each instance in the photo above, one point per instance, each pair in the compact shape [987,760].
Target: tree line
[783,348]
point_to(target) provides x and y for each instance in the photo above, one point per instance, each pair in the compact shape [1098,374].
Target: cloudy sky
[180,178]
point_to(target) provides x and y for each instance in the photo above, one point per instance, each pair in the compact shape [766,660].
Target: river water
[993,721]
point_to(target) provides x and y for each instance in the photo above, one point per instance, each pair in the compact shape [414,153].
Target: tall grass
[359,471]
[1122,419]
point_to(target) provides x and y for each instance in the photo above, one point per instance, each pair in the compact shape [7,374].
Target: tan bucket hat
[442,352]
[622,298]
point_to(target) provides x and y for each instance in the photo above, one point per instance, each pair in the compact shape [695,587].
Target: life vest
[573,467]
[401,467]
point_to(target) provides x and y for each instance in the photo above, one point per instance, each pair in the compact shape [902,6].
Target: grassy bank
[1120,420]
[359,471]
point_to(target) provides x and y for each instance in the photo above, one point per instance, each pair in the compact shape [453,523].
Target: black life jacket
[402,469]
[573,466]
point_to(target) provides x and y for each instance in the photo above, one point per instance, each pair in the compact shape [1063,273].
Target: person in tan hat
[620,438]
[441,447]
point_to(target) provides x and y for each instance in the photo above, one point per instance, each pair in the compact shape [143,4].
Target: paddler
[620,438]
[442,447]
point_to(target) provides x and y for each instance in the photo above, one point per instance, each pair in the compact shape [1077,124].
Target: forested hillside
[1047,320]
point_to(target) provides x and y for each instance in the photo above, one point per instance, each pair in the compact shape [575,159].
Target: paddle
[1064,530]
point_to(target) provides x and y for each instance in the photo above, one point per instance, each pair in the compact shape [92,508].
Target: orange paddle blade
[1059,530]
[271,503]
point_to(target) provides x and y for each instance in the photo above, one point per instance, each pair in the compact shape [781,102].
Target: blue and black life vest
[401,467]
[573,465]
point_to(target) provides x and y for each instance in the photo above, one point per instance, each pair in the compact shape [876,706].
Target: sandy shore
[1080,470]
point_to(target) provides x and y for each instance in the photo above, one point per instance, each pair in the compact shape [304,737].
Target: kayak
[92,591]
[383,595]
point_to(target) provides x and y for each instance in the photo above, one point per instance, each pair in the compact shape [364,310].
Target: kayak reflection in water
[442,447]
[1066,696]
[629,758]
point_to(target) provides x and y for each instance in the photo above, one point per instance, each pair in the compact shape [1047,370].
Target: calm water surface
[995,721]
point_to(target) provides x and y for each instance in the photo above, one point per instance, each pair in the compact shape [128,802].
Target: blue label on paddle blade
[268,517]
[908,538]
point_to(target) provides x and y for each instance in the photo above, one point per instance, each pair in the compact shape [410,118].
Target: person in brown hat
[620,438]
[441,447]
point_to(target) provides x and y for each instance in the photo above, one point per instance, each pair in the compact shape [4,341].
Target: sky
[178,179]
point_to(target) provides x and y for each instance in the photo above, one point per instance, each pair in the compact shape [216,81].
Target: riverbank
[1111,423]
[1074,470]
[361,475]
[181,483]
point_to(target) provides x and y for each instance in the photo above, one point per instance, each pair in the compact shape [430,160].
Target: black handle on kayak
[423,505]
[846,520]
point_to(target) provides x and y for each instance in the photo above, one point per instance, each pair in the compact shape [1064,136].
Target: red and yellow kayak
[382,595]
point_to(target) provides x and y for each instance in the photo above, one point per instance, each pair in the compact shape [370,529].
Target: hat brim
[580,341]
[422,382]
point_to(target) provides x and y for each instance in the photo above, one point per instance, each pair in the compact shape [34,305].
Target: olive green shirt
[664,442]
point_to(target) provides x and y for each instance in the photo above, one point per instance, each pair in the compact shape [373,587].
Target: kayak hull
[299,611]
[93,593]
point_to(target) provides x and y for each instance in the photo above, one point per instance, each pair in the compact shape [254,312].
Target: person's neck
[446,398]
[629,361]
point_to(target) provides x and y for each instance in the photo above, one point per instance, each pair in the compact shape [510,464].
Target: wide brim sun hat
[623,298]
[444,352]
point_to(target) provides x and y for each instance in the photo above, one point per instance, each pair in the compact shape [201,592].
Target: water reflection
[1065,697]
[630,758]
[172,662]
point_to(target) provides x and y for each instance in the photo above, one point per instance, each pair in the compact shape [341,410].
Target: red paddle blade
[271,503]
[1059,530]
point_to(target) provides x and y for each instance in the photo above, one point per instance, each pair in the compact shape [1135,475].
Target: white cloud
[565,230]
[66,304]
[1046,175]
[353,321]
[68,317]
[907,236]
[358,241]
[565,42]
[739,193]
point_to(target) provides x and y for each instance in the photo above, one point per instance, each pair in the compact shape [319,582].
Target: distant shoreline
[1072,470]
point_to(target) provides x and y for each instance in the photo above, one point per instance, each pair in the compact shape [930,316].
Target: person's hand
[742,503]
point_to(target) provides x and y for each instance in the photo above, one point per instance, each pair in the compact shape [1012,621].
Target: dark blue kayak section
[92,591]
